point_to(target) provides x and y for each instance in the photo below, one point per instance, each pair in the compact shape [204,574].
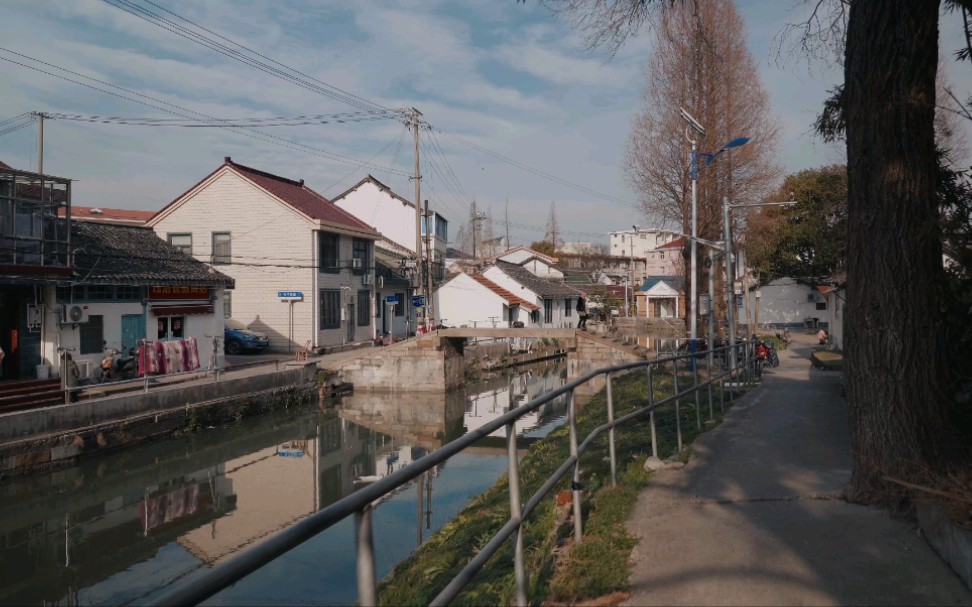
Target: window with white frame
[221,248]
[183,242]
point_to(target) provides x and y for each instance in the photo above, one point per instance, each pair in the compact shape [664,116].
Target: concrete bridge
[434,362]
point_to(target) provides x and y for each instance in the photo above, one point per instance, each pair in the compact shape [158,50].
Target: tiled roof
[122,216]
[293,193]
[510,298]
[540,286]
[115,254]
[678,243]
[301,197]
[675,282]
[4,165]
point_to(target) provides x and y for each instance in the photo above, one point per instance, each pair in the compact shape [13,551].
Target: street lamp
[627,306]
[708,158]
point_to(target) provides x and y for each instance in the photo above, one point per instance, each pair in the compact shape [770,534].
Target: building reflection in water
[120,528]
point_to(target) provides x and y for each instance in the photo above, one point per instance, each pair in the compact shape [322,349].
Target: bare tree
[900,416]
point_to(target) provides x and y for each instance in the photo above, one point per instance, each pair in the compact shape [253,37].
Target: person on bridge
[582,311]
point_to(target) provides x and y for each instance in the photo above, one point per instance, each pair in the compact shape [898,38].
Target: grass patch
[559,569]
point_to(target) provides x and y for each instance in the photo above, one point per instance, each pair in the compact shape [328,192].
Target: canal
[119,529]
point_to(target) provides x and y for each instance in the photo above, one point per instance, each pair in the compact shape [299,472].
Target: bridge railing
[361,503]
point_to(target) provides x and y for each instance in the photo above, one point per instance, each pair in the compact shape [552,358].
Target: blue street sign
[290,295]
[392,299]
[418,301]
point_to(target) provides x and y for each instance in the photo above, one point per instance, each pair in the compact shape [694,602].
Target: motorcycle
[766,355]
[116,366]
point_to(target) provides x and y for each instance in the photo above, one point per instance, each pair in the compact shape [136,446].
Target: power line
[286,73]
[179,111]
[10,127]
[341,118]
[541,173]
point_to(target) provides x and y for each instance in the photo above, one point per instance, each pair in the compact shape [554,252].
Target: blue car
[238,338]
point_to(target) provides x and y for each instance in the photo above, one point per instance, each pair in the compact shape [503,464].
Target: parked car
[238,338]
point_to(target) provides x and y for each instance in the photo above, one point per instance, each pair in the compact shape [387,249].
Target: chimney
[301,182]
[227,160]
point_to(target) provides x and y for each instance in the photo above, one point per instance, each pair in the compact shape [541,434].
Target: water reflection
[116,529]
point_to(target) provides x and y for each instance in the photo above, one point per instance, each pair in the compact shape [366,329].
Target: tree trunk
[898,415]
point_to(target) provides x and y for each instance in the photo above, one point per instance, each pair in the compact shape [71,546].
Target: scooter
[116,366]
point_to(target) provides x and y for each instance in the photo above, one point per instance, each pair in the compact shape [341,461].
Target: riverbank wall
[51,437]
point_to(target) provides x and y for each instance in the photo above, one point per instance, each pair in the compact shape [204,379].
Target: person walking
[582,311]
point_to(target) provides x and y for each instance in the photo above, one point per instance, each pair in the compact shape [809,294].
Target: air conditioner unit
[357,263]
[74,313]
[366,279]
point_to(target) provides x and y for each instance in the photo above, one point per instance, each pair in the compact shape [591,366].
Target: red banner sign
[178,293]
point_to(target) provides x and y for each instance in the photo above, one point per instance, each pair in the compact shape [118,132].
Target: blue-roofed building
[661,297]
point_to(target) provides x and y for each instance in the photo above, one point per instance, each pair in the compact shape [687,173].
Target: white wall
[626,242]
[785,301]
[836,301]
[463,301]
[273,248]
[200,326]
[543,269]
[563,315]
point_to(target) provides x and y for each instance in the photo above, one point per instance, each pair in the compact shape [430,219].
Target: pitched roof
[112,254]
[537,254]
[292,193]
[540,286]
[384,188]
[675,282]
[4,165]
[510,298]
[301,197]
[678,243]
[106,215]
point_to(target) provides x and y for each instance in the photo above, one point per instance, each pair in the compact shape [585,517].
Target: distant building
[628,243]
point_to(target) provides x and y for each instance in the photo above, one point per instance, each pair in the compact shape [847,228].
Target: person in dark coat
[582,311]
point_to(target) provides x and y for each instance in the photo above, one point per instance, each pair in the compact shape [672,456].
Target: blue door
[133,331]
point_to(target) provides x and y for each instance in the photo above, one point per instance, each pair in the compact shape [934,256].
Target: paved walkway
[756,517]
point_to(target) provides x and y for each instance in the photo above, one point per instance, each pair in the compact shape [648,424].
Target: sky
[521,114]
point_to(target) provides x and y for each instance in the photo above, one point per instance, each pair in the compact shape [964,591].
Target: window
[567,307]
[330,309]
[93,335]
[364,308]
[400,304]
[821,305]
[183,242]
[127,293]
[359,253]
[99,293]
[329,257]
[547,310]
[221,248]
[171,327]
[227,304]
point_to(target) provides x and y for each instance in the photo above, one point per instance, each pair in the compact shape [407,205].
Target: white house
[473,300]
[377,205]
[632,243]
[787,302]
[661,297]
[666,260]
[537,263]
[304,268]
[132,286]
[556,301]
[836,297]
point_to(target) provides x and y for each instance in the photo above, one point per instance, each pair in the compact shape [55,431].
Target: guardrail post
[610,416]
[651,412]
[367,588]
[678,415]
[575,486]
[698,406]
[708,375]
[516,513]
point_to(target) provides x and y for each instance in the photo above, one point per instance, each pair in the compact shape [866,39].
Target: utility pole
[507,222]
[40,140]
[429,312]
[476,218]
[418,206]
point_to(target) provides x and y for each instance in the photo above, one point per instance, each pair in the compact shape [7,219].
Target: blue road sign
[290,294]
[418,301]
[392,299]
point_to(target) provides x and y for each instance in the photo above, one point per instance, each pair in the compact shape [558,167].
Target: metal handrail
[360,503]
